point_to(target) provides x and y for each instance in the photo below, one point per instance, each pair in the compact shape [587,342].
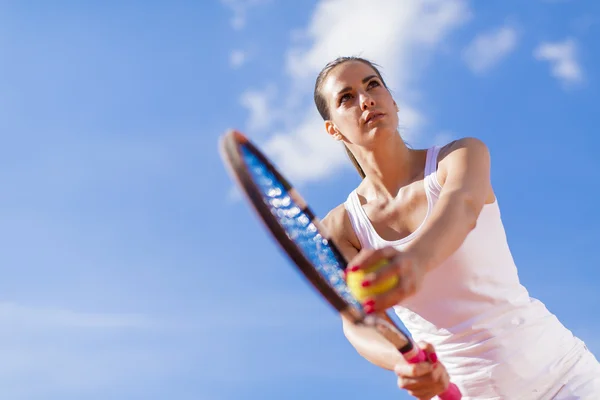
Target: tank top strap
[432,184]
[359,220]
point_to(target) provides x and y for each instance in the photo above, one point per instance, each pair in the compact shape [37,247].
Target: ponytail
[355,162]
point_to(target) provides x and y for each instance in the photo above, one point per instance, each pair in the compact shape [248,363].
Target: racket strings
[298,226]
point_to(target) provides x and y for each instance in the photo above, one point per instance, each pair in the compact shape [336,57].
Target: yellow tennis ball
[354,282]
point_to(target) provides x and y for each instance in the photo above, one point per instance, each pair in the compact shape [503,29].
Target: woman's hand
[424,380]
[404,266]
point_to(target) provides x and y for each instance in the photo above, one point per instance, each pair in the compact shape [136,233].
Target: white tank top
[494,339]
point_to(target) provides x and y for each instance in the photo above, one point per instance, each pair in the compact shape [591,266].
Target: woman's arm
[368,343]
[422,380]
[372,346]
[465,174]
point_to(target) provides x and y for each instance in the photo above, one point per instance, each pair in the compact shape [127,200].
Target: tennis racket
[303,238]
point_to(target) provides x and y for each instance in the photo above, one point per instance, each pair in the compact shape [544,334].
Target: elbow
[470,210]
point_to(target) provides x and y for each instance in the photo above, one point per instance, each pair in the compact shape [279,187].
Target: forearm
[373,347]
[453,218]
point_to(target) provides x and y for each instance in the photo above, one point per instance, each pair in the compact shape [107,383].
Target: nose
[366,102]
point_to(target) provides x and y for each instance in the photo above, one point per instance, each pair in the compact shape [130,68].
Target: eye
[373,83]
[345,97]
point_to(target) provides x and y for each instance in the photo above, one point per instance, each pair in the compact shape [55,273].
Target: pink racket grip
[452,392]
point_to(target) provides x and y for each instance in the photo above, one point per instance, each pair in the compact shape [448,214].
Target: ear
[333,130]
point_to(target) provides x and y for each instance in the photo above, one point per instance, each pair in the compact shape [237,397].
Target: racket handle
[411,352]
[452,392]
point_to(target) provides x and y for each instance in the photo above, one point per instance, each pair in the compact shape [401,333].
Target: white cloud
[258,102]
[399,36]
[443,138]
[411,120]
[237,58]
[240,10]
[305,153]
[562,57]
[488,49]
[383,30]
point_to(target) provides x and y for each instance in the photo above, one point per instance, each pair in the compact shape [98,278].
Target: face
[361,109]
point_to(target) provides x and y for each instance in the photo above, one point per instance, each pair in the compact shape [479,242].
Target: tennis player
[432,213]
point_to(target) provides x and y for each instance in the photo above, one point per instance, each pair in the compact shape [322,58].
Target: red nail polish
[369,310]
[433,358]
[369,303]
[365,283]
[354,268]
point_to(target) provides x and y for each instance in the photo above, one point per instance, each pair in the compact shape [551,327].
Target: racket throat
[404,344]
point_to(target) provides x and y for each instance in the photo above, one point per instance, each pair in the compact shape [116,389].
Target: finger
[426,347]
[405,287]
[381,302]
[405,370]
[438,372]
[415,384]
[423,394]
[428,385]
[428,391]
[440,376]
[429,351]
[368,257]
[406,284]
[355,263]
[422,388]
[395,267]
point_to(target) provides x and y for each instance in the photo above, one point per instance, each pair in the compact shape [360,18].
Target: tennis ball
[354,280]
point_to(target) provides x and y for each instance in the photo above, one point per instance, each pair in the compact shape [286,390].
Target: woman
[433,215]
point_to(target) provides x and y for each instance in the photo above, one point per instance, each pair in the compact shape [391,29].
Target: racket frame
[230,149]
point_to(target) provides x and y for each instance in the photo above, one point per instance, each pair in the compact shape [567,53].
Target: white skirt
[582,381]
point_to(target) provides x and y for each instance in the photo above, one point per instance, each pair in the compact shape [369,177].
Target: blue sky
[130,267]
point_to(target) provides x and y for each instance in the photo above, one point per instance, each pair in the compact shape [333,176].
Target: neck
[389,166]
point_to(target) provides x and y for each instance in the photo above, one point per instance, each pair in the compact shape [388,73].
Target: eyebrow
[348,88]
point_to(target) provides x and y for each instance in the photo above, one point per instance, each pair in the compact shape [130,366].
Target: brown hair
[321,102]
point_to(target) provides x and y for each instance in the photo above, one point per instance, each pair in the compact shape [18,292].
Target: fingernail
[369,303]
[354,268]
[366,283]
[369,309]
[433,358]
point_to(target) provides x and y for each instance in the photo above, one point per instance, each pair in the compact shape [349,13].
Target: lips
[373,115]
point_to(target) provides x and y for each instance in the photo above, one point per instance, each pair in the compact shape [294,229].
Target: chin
[382,130]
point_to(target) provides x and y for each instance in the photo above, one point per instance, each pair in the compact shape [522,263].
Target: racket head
[304,239]
[291,222]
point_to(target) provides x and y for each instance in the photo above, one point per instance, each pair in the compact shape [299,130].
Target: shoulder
[464,152]
[469,144]
[339,228]
[335,221]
